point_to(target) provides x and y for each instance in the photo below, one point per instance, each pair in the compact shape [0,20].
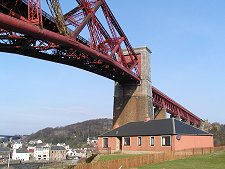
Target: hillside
[218,130]
[74,134]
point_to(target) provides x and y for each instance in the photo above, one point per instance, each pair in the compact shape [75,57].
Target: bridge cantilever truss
[160,100]
[26,29]
[23,31]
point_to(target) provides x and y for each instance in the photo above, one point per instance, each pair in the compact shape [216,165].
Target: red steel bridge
[28,30]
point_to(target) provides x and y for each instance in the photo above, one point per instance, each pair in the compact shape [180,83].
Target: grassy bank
[209,161]
[116,156]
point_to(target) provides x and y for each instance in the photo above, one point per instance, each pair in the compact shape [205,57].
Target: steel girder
[160,100]
[101,55]
[24,32]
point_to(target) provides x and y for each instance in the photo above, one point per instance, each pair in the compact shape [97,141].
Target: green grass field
[209,161]
[116,156]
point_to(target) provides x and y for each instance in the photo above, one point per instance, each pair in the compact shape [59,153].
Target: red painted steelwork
[102,55]
[160,100]
[16,25]
[35,12]
[23,31]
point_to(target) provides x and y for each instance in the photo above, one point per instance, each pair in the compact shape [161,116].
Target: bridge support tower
[133,102]
[159,113]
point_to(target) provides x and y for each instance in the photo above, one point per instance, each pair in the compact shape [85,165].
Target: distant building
[92,141]
[61,144]
[67,147]
[20,154]
[41,152]
[57,153]
[154,135]
[30,149]
[70,154]
[17,145]
[80,153]
[39,142]
[4,153]
[34,142]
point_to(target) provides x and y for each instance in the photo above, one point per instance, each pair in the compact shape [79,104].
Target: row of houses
[4,153]
[44,152]
[40,152]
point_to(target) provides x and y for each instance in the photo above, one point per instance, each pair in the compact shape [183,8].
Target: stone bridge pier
[133,102]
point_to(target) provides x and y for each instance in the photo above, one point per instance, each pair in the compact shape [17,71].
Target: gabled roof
[155,127]
[22,151]
[183,128]
[42,147]
[4,149]
[57,148]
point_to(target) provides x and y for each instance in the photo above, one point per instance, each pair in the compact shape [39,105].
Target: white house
[61,144]
[41,153]
[67,147]
[92,141]
[17,145]
[20,154]
[33,142]
[70,153]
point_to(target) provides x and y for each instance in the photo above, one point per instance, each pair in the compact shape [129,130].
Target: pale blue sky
[187,40]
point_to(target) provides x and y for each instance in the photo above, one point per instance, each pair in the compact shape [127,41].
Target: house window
[166,141]
[105,143]
[152,141]
[127,141]
[139,141]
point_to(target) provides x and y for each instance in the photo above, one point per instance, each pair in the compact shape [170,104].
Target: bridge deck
[46,43]
[19,36]
[160,100]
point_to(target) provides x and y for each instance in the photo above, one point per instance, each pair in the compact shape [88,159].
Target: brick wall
[187,142]
[184,142]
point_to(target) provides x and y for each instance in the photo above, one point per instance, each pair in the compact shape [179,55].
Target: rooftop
[57,148]
[4,149]
[169,126]
[22,151]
